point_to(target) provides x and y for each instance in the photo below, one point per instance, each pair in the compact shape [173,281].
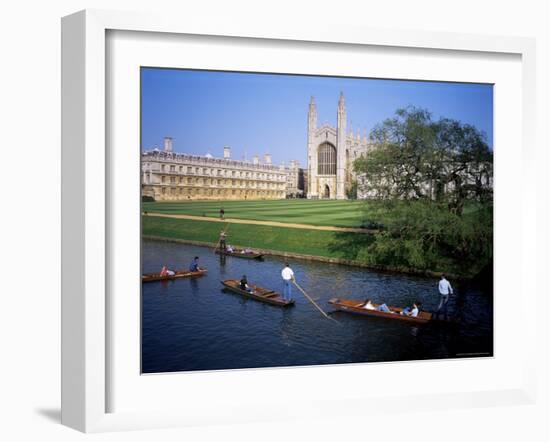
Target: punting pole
[313,302]
[225,229]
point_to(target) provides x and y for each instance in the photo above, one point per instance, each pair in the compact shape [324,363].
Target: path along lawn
[308,242]
[348,246]
[339,213]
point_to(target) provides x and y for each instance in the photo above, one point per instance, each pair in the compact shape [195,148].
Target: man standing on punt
[288,278]
[223,241]
[445,290]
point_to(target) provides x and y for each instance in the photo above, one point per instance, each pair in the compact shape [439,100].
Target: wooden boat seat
[260,294]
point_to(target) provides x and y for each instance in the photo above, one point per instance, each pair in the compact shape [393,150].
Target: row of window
[208,182]
[174,191]
[190,170]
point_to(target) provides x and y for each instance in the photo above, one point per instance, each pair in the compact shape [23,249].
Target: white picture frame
[86,212]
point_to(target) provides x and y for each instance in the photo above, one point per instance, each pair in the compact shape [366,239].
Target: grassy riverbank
[308,242]
[342,246]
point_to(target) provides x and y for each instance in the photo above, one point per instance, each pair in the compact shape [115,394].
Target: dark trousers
[443,300]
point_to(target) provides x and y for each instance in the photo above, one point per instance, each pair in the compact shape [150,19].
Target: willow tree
[413,157]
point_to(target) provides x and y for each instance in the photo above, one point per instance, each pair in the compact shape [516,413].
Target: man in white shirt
[288,277]
[445,290]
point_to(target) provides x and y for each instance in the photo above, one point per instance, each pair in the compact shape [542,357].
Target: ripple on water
[192,324]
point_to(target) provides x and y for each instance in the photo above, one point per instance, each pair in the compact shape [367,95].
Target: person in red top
[165,272]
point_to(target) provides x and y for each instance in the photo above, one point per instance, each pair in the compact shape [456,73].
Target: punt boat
[152,277]
[259,294]
[356,307]
[240,253]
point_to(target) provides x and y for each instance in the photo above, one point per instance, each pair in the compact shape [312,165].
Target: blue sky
[265,113]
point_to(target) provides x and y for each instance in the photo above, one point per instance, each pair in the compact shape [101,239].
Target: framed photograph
[251,215]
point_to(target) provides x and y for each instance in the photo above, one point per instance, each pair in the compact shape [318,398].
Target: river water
[192,324]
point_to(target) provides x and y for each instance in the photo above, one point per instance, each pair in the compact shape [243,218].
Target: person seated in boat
[194,266]
[244,285]
[230,249]
[412,311]
[248,250]
[384,308]
[166,272]
[368,305]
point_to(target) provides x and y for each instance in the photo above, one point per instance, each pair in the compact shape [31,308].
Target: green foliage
[423,235]
[414,157]
[432,187]
[351,193]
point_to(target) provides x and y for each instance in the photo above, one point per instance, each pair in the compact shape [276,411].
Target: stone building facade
[171,176]
[332,151]
[330,154]
[295,180]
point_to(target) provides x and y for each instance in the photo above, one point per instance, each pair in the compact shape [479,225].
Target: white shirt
[369,306]
[414,312]
[445,287]
[287,274]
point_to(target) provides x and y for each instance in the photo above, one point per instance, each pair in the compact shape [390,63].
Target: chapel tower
[341,149]
[312,147]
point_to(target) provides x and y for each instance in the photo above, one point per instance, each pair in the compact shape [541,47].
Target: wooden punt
[356,307]
[239,253]
[152,277]
[260,294]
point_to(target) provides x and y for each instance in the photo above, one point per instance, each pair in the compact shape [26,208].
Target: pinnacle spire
[341,100]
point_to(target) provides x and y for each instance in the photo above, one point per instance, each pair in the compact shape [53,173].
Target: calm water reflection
[191,324]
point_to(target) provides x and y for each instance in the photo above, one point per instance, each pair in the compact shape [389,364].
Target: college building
[331,152]
[170,176]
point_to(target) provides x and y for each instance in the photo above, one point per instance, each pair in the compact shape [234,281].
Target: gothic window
[326,159]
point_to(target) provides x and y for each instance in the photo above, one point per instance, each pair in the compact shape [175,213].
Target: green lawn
[309,242]
[370,249]
[340,213]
